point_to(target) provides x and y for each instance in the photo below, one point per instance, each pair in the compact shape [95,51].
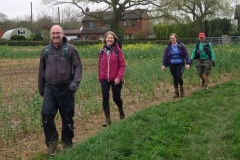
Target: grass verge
[204,125]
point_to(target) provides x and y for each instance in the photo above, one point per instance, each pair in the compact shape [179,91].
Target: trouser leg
[105,87]
[65,99]
[49,111]
[116,90]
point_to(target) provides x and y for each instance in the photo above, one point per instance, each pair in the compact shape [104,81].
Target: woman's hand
[117,81]
[163,67]
[187,66]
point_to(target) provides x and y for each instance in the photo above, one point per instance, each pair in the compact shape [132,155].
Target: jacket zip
[109,64]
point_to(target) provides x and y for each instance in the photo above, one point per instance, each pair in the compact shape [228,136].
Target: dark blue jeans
[177,71]
[62,99]
[116,91]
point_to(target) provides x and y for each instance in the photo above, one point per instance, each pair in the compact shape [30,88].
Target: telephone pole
[31,16]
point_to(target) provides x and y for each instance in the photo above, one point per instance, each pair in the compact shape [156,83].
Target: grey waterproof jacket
[56,69]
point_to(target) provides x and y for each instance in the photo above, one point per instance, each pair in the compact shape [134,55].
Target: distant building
[133,22]
[17,31]
[237,16]
[71,34]
[1,33]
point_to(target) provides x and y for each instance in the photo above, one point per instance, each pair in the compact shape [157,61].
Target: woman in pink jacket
[111,68]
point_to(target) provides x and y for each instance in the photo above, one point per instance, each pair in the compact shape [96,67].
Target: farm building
[17,31]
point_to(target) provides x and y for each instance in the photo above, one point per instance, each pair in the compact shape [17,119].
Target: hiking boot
[106,123]
[122,115]
[181,91]
[203,82]
[51,149]
[52,146]
[66,147]
[176,93]
[206,86]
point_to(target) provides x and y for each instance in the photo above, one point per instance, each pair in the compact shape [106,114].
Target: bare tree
[117,6]
[3,17]
[195,10]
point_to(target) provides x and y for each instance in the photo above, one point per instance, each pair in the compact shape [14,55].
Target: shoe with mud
[51,149]
[66,147]
[122,115]
[176,95]
[106,123]
[52,146]
[206,86]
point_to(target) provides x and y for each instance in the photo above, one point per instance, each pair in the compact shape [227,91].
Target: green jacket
[203,55]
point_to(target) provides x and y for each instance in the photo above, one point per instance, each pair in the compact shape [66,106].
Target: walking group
[176,57]
[60,72]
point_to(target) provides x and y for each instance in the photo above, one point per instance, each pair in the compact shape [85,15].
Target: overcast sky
[20,8]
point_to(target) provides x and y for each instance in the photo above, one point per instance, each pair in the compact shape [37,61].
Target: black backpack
[206,50]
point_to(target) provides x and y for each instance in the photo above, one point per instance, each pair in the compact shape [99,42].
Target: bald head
[56,27]
[56,35]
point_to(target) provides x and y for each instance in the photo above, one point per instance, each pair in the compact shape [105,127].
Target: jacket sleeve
[185,52]
[77,65]
[165,57]
[193,52]
[211,52]
[121,65]
[41,73]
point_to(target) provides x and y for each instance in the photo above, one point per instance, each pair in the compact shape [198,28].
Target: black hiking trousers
[62,99]
[177,72]
[116,91]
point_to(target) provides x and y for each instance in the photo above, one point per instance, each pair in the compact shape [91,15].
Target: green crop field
[20,103]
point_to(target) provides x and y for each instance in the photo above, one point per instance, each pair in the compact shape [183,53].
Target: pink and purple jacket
[112,66]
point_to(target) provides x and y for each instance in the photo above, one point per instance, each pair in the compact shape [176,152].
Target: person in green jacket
[204,55]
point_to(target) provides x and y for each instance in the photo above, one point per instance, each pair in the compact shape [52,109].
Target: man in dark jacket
[58,80]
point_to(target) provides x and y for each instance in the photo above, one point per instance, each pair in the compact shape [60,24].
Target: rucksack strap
[48,48]
[65,52]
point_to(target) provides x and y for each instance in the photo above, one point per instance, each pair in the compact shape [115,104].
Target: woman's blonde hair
[114,36]
[173,34]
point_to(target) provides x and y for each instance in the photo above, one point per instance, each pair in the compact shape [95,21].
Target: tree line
[214,17]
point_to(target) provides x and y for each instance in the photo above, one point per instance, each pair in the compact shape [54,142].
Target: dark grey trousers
[62,99]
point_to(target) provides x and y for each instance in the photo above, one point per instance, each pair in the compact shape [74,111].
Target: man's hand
[191,62]
[187,66]
[213,63]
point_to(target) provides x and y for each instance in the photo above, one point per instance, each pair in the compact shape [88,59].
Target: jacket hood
[64,39]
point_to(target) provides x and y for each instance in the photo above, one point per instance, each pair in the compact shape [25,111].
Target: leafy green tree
[224,25]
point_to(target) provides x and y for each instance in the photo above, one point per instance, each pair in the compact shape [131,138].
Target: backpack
[205,48]
[66,55]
